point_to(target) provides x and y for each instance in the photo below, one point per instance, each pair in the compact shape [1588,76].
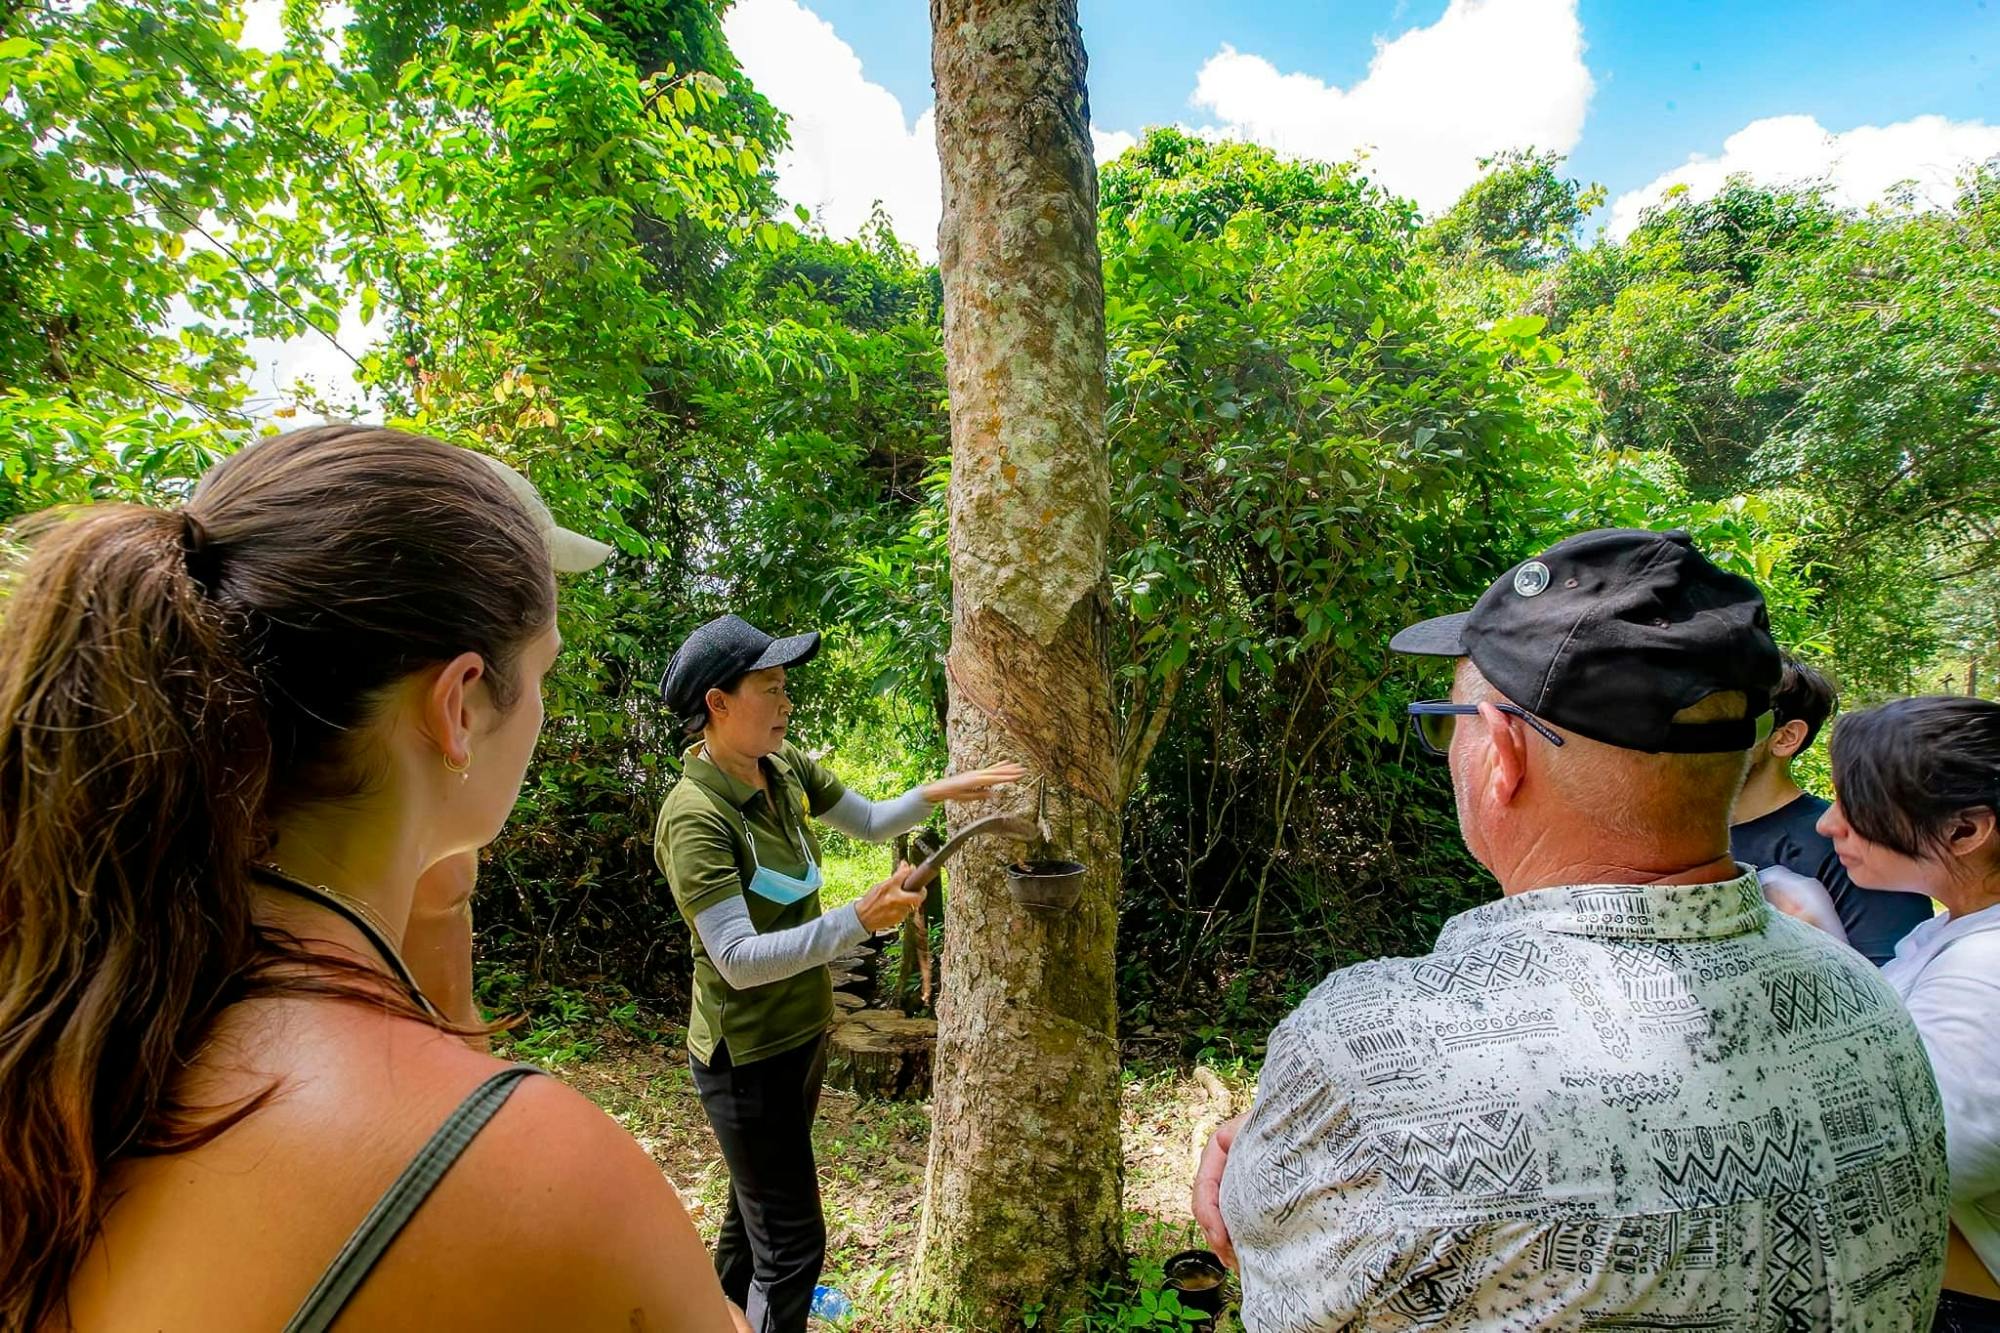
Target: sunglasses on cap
[1437,719]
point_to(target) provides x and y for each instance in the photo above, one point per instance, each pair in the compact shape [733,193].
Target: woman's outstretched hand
[971,786]
[887,903]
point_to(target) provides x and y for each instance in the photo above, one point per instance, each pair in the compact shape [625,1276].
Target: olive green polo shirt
[700,843]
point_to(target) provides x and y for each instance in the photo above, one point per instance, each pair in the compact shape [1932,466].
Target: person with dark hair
[1917,783]
[1625,1093]
[1774,822]
[735,841]
[234,736]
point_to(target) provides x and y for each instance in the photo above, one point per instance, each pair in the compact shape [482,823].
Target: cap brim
[1441,636]
[575,553]
[790,652]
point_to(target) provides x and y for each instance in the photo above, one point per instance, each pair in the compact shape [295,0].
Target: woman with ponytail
[233,738]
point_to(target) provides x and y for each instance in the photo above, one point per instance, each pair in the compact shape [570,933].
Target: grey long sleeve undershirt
[746,958]
[877,821]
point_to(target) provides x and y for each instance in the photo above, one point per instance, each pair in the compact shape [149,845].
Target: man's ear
[1972,831]
[448,715]
[1507,740]
[1789,738]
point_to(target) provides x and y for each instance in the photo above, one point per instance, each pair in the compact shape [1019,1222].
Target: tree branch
[144,178]
[1140,742]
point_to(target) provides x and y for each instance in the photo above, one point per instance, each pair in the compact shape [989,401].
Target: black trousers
[773,1239]
[1960,1313]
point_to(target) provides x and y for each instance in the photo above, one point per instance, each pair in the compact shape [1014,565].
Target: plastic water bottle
[830,1304]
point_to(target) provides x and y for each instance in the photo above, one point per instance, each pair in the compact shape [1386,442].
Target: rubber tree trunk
[1022,1207]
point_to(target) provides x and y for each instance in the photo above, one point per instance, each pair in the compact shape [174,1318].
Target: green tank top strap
[399,1203]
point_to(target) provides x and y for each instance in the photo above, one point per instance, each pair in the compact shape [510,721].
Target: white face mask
[783,889]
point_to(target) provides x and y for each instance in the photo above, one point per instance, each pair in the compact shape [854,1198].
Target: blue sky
[1673,77]
[1858,94]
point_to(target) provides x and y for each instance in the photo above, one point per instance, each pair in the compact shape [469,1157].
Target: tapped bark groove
[1022,1209]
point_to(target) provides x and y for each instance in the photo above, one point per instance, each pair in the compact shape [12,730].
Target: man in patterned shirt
[1627,1095]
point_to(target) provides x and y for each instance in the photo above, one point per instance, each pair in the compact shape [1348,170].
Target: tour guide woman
[735,845]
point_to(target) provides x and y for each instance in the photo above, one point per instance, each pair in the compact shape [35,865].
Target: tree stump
[877,1054]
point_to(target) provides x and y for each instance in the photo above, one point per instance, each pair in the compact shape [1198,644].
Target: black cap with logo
[719,652]
[1610,633]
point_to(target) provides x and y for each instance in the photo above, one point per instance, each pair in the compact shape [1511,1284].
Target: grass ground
[872,1157]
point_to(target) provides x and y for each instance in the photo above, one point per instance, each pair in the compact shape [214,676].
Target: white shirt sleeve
[877,821]
[1956,1005]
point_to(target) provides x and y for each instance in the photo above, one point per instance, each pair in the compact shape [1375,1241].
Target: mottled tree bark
[1022,1205]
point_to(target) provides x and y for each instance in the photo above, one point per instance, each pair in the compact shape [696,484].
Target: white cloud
[263,25]
[1488,75]
[851,145]
[1104,146]
[1858,167]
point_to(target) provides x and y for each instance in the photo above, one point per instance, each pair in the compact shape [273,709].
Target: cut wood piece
[854,972]
[881,1054]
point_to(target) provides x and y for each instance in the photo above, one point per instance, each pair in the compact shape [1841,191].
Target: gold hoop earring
[463,768]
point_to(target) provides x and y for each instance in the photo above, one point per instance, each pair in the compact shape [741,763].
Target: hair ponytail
[133,761]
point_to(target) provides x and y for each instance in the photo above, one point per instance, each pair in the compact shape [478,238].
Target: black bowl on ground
[1197,1277]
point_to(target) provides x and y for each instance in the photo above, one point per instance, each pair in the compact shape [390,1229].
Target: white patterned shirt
[1596,1107]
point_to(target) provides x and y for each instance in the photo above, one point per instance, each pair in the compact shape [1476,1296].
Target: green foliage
[1764,336]
[1521,213]
[1139,1301]
[143,186]
[1326,419]
[1310,450]
[553,1025]
[58,452]
[1655,325]
[1882,334]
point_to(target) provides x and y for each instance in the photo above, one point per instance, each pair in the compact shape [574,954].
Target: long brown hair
[168,679]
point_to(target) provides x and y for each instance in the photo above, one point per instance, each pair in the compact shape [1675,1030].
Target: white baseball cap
[572,552]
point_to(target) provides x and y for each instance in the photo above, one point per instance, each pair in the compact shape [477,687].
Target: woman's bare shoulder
[554,1217]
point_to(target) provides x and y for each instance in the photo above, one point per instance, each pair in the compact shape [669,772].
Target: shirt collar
[1626,911]
[1944,927]
[712,776]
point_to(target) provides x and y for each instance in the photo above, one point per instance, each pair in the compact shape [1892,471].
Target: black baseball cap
[722,650]
[1610,633]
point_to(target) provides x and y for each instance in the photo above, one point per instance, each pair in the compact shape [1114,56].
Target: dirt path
[872,1157]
